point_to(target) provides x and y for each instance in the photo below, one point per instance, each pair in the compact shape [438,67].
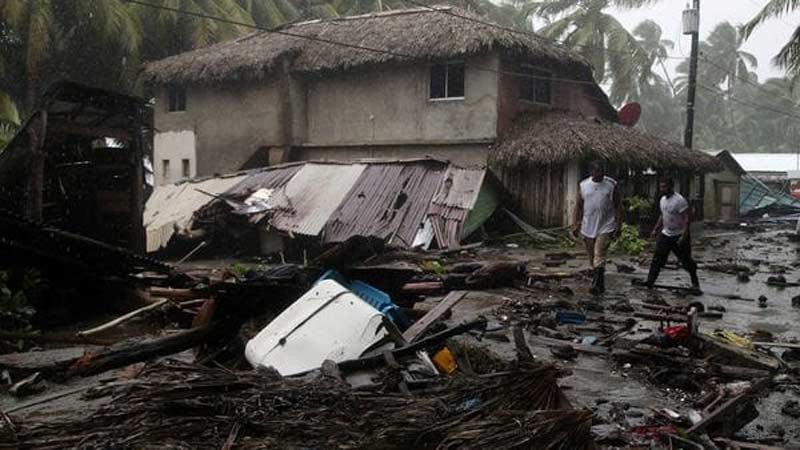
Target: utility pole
[691,25]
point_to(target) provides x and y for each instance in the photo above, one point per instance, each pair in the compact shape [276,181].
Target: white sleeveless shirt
[599,214]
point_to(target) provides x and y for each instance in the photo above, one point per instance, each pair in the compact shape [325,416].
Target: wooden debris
[124,355]
[122,319]
[419,327]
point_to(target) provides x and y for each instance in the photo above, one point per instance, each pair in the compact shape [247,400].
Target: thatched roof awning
[408,35]
[557,137]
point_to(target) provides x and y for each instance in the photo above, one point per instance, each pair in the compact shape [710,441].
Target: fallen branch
[122,319]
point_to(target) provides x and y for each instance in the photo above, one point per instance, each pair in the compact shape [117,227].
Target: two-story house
[437,82]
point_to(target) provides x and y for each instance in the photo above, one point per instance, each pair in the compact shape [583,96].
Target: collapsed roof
[400,202]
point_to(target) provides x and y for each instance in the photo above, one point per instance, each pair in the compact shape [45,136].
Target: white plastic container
[328,322]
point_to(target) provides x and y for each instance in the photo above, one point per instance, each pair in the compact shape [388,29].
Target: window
[186,168]
[165,169]
[447,81]
[535,85]
[177,98]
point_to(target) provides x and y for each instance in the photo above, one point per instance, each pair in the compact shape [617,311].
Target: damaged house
[420,83]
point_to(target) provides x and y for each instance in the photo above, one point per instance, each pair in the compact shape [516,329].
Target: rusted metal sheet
[389,201]
[448,224]
[268,178]
[315,192]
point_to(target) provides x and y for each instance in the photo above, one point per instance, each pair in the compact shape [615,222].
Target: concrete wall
[393,105]
[174,146]
[380,113]
[231,123]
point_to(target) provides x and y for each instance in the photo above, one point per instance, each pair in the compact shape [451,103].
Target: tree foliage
[104,42]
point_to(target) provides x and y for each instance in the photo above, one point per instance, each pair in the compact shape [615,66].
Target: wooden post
[35,189]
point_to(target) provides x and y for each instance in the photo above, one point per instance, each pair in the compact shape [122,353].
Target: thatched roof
[409,35]
[557,137]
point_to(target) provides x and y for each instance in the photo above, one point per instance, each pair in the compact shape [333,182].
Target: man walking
[598,218]
[672,234]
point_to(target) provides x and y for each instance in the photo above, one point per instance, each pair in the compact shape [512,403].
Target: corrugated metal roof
[389,201]
[768,162]
[175,204]
[315,192]
[460,187]
[267,178]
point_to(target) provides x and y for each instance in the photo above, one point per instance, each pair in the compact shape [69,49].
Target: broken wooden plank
[423,287]
[127,354]
[731,415]
[122,319]
[421,326]
[744,357]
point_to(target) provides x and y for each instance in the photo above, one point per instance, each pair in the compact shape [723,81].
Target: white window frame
[446,82]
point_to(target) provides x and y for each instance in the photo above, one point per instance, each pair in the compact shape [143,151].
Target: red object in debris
[678,333]
[629,114]
[796,190]
[653,431]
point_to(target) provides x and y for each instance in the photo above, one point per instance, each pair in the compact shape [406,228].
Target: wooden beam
[421,326]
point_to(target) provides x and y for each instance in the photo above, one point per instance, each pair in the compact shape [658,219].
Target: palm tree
[723,57]
[789,55]
[649,36]
[586,26]
[45,28]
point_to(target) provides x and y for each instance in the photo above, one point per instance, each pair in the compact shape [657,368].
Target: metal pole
[688,137]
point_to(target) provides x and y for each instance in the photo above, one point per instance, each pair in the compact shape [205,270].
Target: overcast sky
[764,43]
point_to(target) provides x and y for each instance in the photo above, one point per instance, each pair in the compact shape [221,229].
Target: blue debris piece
[373,296]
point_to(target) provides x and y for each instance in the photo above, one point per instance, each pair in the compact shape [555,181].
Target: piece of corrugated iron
[269,178]
[389,201]
[315,192]
[460,187]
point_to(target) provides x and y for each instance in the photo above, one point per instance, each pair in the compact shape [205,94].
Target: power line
[752,105]
[361,47]
[531,34]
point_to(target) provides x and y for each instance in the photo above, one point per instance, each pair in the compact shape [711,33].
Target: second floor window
[535,85]
[177,98]
[447,81]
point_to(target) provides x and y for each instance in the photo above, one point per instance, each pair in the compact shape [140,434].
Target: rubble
[367,345]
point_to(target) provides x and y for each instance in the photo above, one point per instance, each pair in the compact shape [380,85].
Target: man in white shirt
[598,219]
[672,234]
